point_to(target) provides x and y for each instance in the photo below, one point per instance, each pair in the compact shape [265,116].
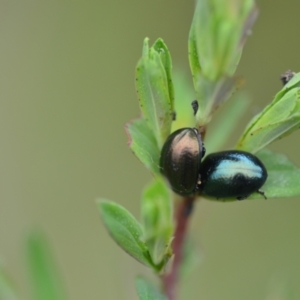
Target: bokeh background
[66,91]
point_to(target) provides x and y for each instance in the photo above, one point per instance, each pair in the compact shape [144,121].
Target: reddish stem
[182,214]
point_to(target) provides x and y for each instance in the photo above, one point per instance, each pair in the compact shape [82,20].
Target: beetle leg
[262,193]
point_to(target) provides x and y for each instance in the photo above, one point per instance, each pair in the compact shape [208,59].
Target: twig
[182,214]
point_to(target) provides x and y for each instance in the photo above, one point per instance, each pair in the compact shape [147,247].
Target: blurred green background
[66,91]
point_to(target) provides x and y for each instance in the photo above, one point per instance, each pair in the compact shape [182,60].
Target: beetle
[180,160]
[231,174]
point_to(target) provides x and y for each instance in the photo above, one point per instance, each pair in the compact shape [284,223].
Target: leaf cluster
[216,39]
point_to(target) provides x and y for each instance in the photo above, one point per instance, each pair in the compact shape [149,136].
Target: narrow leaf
[124,229]
[216,39]
[278,119]
[143,144]
[283,177]
[147,291]
[152,84]
[218,33]
[228,121]
[193,56]
[46,282]
[213,95]
[157,216]
[166,60]
[185,94]
[263,136]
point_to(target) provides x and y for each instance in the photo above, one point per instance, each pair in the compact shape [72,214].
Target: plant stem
[182,214]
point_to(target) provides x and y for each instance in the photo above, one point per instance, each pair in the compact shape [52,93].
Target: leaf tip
[102,204]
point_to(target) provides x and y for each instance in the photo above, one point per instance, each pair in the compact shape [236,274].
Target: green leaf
[217,36]
[218,33]
[216,94]
[228,121]
[157,216]
[211,95]
[143,144]
[185,94]
[7,288]
[278,119]
[283,177]
[46,282]
[147,291]
[193,54]
[125,230]
[154,88]
[166,60]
